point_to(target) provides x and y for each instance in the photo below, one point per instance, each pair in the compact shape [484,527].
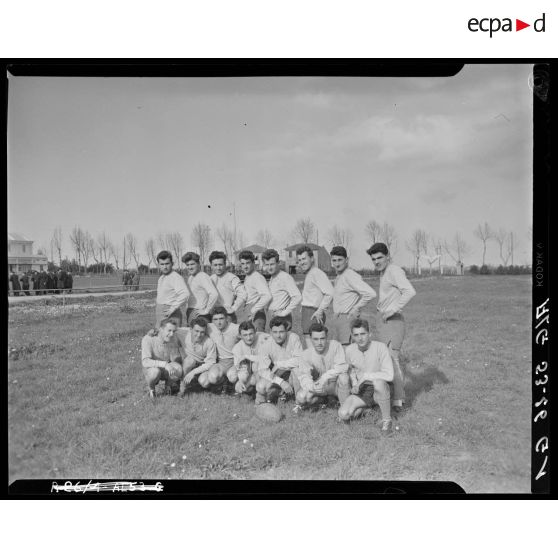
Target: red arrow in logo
[519,25]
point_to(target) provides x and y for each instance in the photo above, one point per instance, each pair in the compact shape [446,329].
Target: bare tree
[132,248]
[201,239]
[56,243]
[304,230]
[484,234]
[226,236]
[86,247]
[389,237]
[378,232]
[175,244]
[151,251]
[417,245]
[162,241]
[457,249]
[373,231]
[265,238]
[503,239]
[340,237]
[116,253]
[76,238]
[103,245]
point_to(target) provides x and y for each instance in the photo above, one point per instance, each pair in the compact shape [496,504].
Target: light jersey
[257,291]
[204,352]
[204,294]
[286,356]
[395,289]
[231,291]
[241,350]
[285,294]
[350,292]
[318,290]
[155,353]
[373,364]
[224,340]
[172,290]
[331,362]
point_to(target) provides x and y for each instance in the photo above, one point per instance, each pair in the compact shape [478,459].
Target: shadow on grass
[421,382]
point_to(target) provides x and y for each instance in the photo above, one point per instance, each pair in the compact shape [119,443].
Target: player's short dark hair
[269,254]
[219,310]
[247,255]
[305,248]
[166,321]
[317,327]
[359,322]
[338,251]
[246,326]
[164,255]
[245,362]
[378,247]
[189,256]
[216,255]
[199,321]
[278,321]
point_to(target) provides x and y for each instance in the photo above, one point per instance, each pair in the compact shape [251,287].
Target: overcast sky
[157,155]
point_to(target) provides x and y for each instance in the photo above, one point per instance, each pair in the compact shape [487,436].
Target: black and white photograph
[271,278]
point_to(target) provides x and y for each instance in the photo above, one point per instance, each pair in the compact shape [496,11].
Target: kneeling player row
[222,355]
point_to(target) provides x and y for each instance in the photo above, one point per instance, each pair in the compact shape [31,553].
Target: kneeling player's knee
[188,365]
[344,413]
[152,375]
[343,381]
[302,397]
[203,380]
[261,386]
[232,375]
[215,375]
[381,390]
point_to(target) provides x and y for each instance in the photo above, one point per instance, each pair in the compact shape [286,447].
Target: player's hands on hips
[318,315]
[387,315]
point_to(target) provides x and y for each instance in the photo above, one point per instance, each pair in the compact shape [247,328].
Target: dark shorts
[341,328]
[391,332]
[260,320]
[306,315]
[176,316]
[366,393]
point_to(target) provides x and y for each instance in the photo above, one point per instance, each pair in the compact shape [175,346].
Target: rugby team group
[341,364]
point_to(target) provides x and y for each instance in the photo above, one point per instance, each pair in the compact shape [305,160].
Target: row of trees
[102,253]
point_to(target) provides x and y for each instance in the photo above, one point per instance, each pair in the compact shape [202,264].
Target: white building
[21,257]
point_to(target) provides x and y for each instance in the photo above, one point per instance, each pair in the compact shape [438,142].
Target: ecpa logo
[494,24]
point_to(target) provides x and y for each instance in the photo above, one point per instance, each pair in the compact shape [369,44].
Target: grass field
[77,403]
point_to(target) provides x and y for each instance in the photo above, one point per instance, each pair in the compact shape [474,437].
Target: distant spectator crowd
[40,283]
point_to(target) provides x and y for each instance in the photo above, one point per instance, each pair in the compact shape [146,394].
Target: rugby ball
[268,412]
[175,370]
